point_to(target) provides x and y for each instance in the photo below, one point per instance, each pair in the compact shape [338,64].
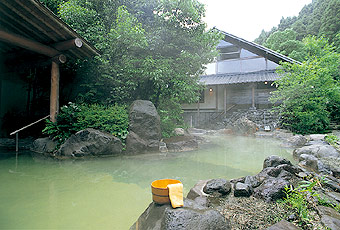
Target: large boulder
[273,161]
[283,225]
[282,134]
[295,141]
[179,132]
[309,161]
[333,164]
[181,143]
[318,150]
[276,174]
[44,146]
[191,216]
[329,217]
[217,187]
[197,190]
[251,181]
[317,137]
[144,128]
[242,189]
[243,126]
[90,142]
[272,189]
[136,144]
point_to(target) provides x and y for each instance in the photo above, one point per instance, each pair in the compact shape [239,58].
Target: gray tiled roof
[236,78]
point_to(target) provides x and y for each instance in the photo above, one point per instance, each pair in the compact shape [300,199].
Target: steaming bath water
[110,193]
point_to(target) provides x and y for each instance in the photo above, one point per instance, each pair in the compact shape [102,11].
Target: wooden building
[30,34]
[241,78]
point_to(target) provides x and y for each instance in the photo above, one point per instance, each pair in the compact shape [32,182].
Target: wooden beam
[69,44]
[18,23]
[60,59]
[25,43]
[54,97]
[45,27]
[12,5]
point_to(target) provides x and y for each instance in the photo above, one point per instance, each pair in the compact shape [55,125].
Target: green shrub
[66,123]
[332,140]
[111,119]
[303,199]
[170,112]
[308,94]
[72,118]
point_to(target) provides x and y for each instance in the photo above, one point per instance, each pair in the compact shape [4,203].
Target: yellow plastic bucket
[160,192]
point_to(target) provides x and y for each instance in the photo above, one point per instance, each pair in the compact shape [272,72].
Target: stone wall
[218,120]
[261,117]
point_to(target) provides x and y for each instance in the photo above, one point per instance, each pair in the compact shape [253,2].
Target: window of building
[229,52]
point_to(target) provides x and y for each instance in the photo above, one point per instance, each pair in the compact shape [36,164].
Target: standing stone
[144,128]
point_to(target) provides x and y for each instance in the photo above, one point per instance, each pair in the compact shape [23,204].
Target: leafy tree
[285,42]
[309,93]
[319,18]
[153,50]
[261,39]
[52,4]
[286,23]
[330,23]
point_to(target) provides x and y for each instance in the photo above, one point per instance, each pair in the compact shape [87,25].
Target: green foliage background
[308,94]
[151,49]
[319,18]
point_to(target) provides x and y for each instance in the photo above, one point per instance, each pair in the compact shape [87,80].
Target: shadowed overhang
[29,25]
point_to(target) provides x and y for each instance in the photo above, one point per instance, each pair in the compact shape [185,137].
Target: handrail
[29,125]
[16,132]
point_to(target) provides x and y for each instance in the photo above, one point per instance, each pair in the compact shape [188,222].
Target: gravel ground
[253,213]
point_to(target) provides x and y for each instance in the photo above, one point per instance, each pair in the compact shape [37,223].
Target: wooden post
[54,98]
[253,96]
[216,95]
[198,112]
[16,142]
[225,100]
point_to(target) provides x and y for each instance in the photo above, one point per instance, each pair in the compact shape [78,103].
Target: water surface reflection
[110,193]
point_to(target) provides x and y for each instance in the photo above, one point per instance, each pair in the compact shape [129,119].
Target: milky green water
[110,193]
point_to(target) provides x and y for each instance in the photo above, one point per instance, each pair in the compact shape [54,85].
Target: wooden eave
[32,20]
